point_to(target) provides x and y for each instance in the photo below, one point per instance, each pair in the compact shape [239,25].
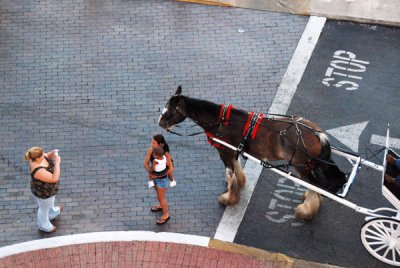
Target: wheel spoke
[374,238]
[375,233]
[380,248]
[398,251]
[394,254]
[382,230]
[386,252]
[376,243]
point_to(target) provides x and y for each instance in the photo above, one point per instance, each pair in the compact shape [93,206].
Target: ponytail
[28,155]
[33,153]
[160,140]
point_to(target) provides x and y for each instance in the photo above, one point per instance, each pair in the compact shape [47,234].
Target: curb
[385,12]
[97,237]
[20,251]
[280,259]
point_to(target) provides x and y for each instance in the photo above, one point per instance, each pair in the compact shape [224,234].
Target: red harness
[257,125]
[225,114]
[223,118]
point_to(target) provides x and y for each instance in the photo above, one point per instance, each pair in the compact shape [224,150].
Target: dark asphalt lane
[350,88]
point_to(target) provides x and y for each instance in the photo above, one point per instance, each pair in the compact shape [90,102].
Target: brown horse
[294,139]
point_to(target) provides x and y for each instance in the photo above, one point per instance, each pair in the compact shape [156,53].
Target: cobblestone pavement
[90,78]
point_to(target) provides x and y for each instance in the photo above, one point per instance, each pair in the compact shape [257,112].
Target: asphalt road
[350,88]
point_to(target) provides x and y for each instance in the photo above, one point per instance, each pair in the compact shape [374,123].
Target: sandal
[162,221]
[155,208]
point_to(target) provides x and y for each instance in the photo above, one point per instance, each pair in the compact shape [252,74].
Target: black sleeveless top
[43,189]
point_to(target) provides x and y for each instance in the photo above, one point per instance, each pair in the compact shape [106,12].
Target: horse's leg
[225,198]
[311,201]
[235,179]
[239,174]
[310,207]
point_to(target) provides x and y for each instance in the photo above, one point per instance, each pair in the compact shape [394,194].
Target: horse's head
[172,112]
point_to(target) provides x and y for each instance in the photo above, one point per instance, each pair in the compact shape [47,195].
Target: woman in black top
[45,174]
[161,184]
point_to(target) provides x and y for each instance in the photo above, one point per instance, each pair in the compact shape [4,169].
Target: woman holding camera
[45,174]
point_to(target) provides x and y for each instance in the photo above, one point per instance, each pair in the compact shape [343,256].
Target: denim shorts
[161,183]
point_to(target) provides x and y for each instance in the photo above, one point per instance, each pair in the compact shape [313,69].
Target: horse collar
[223,119]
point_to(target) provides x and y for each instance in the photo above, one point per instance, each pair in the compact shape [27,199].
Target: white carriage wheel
[381,237]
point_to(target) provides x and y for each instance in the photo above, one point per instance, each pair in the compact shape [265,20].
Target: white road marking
[349,135]
[297,65]
[381,140]
[232,217]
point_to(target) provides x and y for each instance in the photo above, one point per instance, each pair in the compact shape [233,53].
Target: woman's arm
[147,160]
[45,176]
[169,163]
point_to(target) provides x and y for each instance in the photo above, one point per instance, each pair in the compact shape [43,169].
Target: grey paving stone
[90,78]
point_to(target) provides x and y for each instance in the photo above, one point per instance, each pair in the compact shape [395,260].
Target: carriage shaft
[304,183]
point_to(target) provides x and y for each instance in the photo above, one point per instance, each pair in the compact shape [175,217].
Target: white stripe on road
[381,140]
[297,65]
[233,216]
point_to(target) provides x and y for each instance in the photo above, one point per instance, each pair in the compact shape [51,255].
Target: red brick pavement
[132,254]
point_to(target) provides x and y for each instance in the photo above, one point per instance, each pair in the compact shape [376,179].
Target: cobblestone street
[91,77]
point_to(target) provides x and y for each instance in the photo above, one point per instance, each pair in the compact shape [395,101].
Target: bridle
[168,115]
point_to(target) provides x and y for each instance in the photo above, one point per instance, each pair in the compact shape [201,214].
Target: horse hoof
[223,199]
[302,215]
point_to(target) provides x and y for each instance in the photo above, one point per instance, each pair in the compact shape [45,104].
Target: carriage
[380,234]
[303,145]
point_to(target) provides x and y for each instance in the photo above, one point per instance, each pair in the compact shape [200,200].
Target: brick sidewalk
[90,78]
[132,254]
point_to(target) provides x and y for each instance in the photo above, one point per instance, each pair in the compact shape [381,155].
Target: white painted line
[381,140]
[118,236]
[297,65]
[232,217]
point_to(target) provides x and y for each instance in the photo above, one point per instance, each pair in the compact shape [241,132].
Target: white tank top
[161,164]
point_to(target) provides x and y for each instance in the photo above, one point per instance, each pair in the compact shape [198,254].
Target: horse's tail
[324,171]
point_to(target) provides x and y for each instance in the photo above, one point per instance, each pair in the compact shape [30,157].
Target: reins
[188,135]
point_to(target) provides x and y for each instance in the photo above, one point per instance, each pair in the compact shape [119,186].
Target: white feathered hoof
[224,199]
[310,208]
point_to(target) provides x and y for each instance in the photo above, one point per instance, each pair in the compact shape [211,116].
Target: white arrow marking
[349,135]
[381,140]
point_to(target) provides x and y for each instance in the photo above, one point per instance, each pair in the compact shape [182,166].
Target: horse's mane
[195,106]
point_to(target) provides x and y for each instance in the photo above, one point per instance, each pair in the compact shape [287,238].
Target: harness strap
[250,129]
[225,114]
[252,125]
[259,119]
[246,127]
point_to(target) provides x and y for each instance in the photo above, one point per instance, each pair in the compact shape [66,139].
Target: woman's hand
[57,159]
[52,154]
[152,176]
